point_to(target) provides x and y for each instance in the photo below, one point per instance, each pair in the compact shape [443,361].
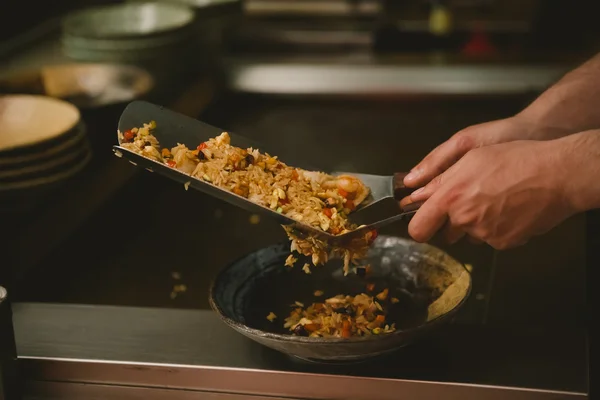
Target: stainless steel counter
[366,74]
[77,351]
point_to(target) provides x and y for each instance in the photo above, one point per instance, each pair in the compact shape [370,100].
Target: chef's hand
[500,194]
[449,152]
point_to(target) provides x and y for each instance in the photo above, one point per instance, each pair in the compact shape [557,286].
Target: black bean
[201,155]
[147,143]
[300,330]
[344,310]
[249,159]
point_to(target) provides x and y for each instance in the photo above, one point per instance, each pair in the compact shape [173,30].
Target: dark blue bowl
[430,285]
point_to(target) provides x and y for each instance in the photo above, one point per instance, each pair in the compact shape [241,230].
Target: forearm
[579,167]
[571,105]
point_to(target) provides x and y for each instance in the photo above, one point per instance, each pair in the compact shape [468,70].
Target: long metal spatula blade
[172,129]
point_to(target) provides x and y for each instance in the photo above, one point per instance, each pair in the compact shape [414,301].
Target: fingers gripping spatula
[379,209]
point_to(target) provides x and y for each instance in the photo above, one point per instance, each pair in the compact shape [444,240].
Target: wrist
[535,128]
[579,168]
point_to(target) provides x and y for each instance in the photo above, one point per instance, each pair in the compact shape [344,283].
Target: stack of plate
[214,18]
[42,141]
[131,32]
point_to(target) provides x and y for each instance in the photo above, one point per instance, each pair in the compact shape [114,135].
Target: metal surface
[429,284]
[9,389]
[66,391]
[348,76]
[173,128]
[381,206]
[193,351]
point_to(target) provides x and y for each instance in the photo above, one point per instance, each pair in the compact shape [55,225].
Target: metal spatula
[381,207]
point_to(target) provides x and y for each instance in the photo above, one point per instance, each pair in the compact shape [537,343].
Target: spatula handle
[401,191]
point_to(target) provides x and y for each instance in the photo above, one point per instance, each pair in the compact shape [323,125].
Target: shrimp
[354,186]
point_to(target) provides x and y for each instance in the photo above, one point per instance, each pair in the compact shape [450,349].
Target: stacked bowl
[214,19]
[42,141]
[137,33]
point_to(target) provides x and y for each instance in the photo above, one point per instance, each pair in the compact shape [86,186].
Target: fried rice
[342,316]
[314,198]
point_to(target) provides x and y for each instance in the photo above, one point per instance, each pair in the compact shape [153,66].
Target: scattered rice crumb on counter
[177,289]
[341,316]
[318,293]
[314,198]
[271,317]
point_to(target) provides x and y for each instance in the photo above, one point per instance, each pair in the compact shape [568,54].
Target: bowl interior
[427,282]
[83,84]
[89,85]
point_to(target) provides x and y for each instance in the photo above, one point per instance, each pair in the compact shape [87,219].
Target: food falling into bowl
[342,316]
[314,198]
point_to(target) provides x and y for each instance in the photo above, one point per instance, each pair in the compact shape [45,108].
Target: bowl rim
[70,22]
[245,329]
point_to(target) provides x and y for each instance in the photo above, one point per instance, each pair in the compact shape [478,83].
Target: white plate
[55,162]
[53,178]
[27,120]
[12,162]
